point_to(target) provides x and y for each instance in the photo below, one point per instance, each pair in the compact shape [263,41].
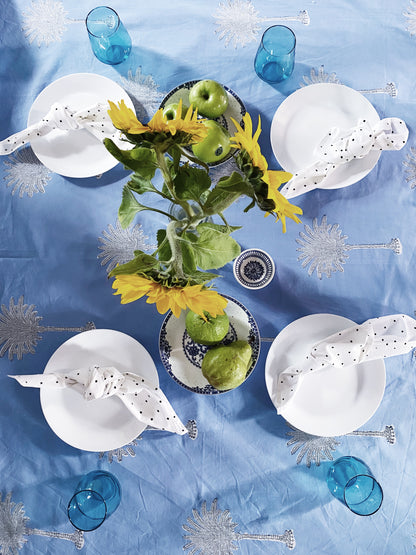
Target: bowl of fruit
[210,356]
[217,104]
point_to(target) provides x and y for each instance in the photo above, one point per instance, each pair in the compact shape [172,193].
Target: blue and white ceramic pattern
[182,357]
[254,269]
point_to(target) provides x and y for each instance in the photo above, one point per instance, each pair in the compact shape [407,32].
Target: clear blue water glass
[97,496]
[351,481]
[87,510]
[109,39]
[275,58]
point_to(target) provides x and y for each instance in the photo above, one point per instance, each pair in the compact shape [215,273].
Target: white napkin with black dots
[374,339]
[94,119]
[341,146]
[143,399]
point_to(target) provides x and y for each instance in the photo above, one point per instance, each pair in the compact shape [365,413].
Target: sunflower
[244,139]
[124,118]
[197,298]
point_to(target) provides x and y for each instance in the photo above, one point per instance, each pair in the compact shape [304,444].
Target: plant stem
[175,248]
[169,183]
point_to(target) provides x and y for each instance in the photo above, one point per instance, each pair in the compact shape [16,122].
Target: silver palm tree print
[13,528]
[320,76]
[410,165]
[238,21]
[213,533]
[320,448]
[20,329]
[117,245]
[118,454]
[324,249]
[25,174]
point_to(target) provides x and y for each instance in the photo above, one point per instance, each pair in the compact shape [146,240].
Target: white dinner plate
[329,402]
[101,424]
[305,117]
[182,357]
[75,153]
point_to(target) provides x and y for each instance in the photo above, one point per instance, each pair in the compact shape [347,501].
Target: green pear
[209,331]
[225,367]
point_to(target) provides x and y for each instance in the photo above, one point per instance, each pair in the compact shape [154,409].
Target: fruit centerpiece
[178,144]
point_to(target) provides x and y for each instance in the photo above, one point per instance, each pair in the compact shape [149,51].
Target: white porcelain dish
[75,153]
[329,402]
[101,424]
[306,116]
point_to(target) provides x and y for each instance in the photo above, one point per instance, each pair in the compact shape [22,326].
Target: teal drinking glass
[275,58]
[97,496]
[109,39]
[351,481]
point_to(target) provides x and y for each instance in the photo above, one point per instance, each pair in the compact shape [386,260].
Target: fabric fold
[376,338]
[143,399]
[341,146]
[94,119]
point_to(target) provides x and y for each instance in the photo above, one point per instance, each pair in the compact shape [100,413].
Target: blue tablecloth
[55,231]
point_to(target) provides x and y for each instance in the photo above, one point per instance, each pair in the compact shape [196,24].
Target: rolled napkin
[94,119]
[374,339]
[145,401]
[341,146]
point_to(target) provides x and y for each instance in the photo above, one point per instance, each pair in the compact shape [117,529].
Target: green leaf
[175,152]
[140,159]
[201,277]
[236,183]
[164,250]
[140,264]
[218,227]
[227,190]
[140,185]
[129,207]
[188,253]
[190,183]
[213,249]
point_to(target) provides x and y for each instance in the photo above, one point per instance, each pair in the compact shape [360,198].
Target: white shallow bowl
[76,153]
[329,402]
[306,116]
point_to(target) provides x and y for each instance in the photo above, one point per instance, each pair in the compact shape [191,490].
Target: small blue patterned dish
[254,269]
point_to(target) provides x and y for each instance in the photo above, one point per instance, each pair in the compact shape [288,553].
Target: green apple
[216,144]
[226,366]
[209,97]
[171,110]
[209,331]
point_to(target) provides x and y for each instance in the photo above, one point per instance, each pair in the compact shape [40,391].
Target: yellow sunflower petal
[124,118]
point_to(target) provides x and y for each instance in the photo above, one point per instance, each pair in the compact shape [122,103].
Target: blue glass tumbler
[109,39]
[351,481]
[97,496]
[275,58]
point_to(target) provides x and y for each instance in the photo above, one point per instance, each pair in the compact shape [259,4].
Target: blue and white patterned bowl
[182,357]
[254,269]
[235,109]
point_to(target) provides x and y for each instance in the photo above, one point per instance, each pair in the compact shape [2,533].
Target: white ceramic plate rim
[75,153]
[347,397]
[169,345]
[101,424]
[295,133]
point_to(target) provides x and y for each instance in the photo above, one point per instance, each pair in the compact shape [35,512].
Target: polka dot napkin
[374,339]
[94,119]
[145,401]
[341,146]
